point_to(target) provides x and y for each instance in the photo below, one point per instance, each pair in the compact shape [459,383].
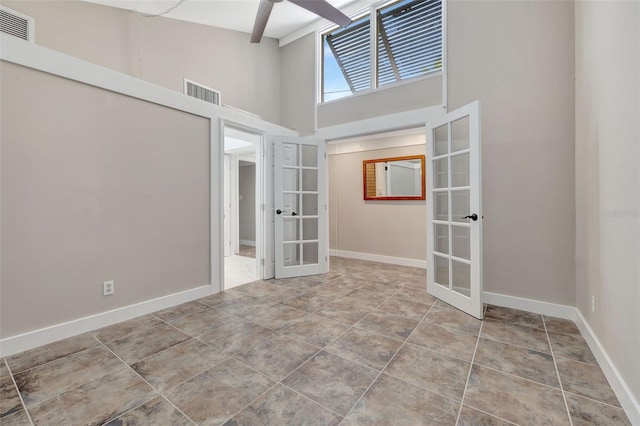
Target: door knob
[278,211]
[472,217]
[294,214]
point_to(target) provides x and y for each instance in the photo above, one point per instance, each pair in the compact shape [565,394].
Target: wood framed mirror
[396,178]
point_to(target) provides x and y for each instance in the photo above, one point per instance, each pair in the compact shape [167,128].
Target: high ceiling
[231,14]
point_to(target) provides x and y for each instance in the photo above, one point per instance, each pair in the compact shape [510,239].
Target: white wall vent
[16,24]
[201,92]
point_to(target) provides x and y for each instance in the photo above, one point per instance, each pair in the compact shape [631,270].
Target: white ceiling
[237,15]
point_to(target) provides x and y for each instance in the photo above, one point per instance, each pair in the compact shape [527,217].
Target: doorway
[242,227]
[374,226]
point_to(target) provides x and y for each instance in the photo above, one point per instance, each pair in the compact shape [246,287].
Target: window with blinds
[408,44]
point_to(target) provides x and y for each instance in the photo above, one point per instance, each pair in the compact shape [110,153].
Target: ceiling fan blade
[325,10]
[264,10]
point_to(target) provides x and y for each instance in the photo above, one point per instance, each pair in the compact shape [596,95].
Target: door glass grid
[300,225]
[451,199]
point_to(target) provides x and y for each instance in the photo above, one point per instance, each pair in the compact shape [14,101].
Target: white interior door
[454,209]
[300,207]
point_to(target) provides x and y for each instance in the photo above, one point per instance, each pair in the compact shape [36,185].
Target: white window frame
[371,11]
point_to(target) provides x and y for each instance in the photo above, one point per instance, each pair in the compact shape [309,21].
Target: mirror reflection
[398,178]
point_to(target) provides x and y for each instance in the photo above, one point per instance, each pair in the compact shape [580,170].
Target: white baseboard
[248,243]
[530,305]
[402,261]
[630,405]
[43,336]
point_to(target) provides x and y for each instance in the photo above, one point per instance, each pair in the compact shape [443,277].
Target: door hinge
[262,206]
[262,262]
[325,155]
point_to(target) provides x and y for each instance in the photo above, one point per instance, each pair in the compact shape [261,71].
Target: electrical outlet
[108,288]
[593,304]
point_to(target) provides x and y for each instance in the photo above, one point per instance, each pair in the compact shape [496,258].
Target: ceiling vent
[201,92]
[16,24]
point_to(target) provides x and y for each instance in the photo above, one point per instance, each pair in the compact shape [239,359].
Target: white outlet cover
[108,288]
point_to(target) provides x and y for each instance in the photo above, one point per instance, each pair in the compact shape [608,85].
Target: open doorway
[386,223]
[242,232]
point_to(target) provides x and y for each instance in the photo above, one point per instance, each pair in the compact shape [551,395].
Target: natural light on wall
[408,45]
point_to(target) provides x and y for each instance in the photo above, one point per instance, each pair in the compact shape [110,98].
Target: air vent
[201,92]
[16,24]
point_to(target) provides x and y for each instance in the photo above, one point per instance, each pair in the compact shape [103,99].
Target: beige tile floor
[247,251]
[363,344]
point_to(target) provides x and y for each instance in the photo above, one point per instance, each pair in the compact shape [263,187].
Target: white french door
[300,207]
[454,209]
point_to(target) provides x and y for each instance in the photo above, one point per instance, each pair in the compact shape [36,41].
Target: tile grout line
[278,382]
[595,400]
[330,342]
[149,384]
[517,377]
[555,365]
[56,359]
[437,352]
[51,397]
[466,385]
[389,362]
[128,334]
[519,346]
[15,385]
[351,326]
[581,362]
[490,415]
[314,401]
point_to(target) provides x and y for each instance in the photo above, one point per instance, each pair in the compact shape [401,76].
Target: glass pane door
[300,211]
[454,271]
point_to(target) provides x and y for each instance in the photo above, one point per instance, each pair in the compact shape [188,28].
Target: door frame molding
[264,250]
[383,124]
[388,123]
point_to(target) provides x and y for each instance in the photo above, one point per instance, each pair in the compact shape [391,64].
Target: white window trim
[371,11]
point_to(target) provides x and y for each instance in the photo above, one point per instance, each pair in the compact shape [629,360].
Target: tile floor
[247,251]
[239,270]
[364,344]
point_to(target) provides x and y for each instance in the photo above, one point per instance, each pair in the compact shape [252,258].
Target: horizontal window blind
[409,40]
[350,48]
[408,45]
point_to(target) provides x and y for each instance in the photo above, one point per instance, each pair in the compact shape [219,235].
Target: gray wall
[163,51]
[608,178]
[247,205]
[517,59]
[388,228]
[96,186]
[403,97]
[297,81]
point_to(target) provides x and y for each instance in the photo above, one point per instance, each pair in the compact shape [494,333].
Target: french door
[300,207]
[454,209]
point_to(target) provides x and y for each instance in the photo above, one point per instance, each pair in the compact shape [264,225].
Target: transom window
[404,41]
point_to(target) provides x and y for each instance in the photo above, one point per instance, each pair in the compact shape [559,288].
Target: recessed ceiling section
[238,15]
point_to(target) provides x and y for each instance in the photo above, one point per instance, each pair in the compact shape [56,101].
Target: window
[408,44]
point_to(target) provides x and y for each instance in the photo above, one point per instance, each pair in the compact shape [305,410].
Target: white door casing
[300,210]
[454,209]
[227,206]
